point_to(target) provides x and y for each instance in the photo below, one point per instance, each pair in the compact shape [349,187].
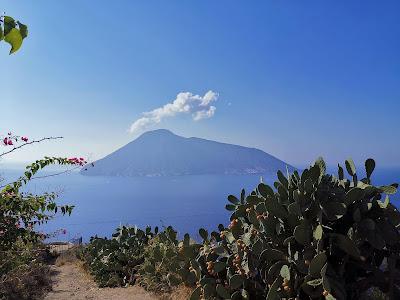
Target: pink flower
[5,141]
[24,138]
[10,143]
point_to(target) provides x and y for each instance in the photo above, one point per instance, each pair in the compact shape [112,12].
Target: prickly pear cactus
[167,261]
[311,236]
[113,261]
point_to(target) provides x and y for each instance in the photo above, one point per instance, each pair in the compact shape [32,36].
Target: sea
[185,202]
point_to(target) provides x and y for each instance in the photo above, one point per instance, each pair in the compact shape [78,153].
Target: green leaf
[308,186]
[274,207]
[253,200]
[203,233]
[318,233]
[236,296]
[317,263]
[223,292]
[242,196]
[285,272]
[322,165]
[265,190]
[196,295]
[1,32]
[252,215]
[347,245]
[232,199]
[271,255]
[282,179]
[350,167]
[236,281]
[302,233]
[273,291]
[230,207]
[245,295]
[340,172]
[208,290]
[9,24]
[294,208]
[369,167]
[385,203]
[23,30]
[219,266]
[315,282]
[354,195]
[14,38]
[389,189]
[333,210]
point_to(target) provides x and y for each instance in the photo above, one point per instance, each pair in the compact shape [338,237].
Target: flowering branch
[9,142]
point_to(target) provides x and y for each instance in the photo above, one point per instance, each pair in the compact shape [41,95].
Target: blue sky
[297,79]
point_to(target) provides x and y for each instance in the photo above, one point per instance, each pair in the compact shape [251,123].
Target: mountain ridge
[163,153]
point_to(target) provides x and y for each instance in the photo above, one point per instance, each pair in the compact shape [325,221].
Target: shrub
[27,276]
[26,282]
[314,236]
[167,261]
[20,212]
[20,244]
[113,261]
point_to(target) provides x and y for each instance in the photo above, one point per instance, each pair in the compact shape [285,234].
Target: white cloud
[204,114]
[185,103]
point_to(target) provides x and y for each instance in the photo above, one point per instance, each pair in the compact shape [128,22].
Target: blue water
[185,202]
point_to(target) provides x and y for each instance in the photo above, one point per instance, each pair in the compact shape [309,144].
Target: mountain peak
[158,132]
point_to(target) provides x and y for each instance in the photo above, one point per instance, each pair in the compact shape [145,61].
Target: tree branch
[29,143]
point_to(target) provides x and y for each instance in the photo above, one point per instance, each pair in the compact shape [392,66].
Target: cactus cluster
[167,261]
[312,236]
[113,262]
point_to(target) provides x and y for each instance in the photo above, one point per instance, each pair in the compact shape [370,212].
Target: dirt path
[71,283]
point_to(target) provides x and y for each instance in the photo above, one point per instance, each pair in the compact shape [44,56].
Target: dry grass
[179,293]
[67,256]
[26,282]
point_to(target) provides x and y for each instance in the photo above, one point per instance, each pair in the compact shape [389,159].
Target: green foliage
[167,261]
[23,275]
[13,32]
[113,261]
[20,212]
[313,236]
[159,259]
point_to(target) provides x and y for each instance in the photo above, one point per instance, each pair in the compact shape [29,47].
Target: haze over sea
[185,202]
